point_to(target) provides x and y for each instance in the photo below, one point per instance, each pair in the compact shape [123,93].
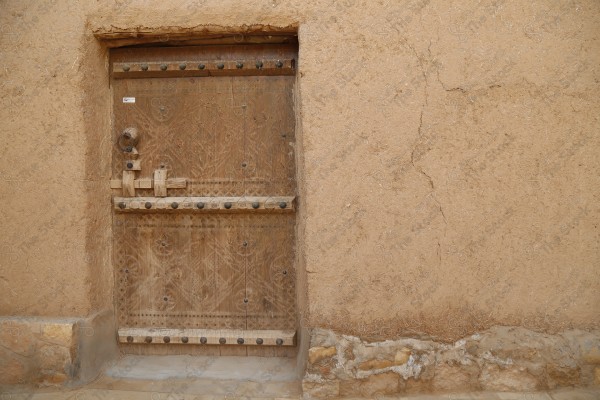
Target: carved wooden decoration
[204,214]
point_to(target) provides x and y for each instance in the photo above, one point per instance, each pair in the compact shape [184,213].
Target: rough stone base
[54,351]
[500,359]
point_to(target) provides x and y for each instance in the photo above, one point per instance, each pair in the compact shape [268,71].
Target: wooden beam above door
[192,61]
[113,36]
[179,69]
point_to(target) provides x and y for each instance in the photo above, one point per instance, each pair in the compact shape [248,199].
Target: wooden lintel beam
[249,67]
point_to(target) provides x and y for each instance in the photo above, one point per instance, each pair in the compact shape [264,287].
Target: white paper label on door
[128,99]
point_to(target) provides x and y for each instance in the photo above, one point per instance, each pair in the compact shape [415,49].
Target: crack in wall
[424,105]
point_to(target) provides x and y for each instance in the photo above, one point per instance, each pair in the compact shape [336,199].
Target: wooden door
[204,197]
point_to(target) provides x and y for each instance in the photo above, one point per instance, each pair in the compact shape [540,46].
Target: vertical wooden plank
[127,185]
[228,124]
[270,277]
[230,276]
[202,273]
[160,183]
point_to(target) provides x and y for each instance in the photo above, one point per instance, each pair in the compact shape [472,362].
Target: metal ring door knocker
[128,140]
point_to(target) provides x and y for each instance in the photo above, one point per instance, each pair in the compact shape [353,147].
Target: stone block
[17,336]
[53,357]
[316,354]
[495,378]
[591,355]
[453,378]
[58,333]
[374,385]
[374,364]
[402,356]
[13,368]
[53,378]
[321,389]
[40,351]
[562,376]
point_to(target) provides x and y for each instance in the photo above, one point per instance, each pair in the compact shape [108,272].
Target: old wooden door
[204,197]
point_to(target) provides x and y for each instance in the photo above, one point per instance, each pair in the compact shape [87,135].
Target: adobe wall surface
[449,158]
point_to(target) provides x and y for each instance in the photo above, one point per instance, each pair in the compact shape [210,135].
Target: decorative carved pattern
[228,137]
[205,271]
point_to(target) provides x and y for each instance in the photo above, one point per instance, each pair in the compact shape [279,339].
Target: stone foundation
[500,359]
[54,351]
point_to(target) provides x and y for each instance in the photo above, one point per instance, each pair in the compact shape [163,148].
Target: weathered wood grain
[224,141]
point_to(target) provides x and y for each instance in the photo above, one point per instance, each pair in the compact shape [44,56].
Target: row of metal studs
[182,66]
[200,205]
[203,340]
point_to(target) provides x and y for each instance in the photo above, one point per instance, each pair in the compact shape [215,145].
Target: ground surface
[84,394]
[231,378]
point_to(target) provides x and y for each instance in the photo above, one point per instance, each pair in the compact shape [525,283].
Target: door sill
[211,376]
[208,336]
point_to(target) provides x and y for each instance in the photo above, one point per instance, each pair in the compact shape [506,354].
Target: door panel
[225,139]
[231,136]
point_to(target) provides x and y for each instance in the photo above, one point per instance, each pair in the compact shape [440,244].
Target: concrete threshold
[229,377]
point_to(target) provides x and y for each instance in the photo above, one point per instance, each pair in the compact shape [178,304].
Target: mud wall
[449,164]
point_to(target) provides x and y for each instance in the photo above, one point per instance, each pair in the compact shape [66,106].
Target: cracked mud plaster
[442,147]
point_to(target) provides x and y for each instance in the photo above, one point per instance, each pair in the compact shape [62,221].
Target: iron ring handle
[128,139]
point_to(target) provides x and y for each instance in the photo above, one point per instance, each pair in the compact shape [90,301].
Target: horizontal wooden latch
[160,183]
